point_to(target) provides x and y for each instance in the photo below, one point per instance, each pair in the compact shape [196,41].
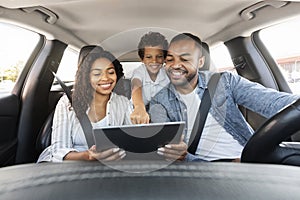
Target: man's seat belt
[83,119]
[202,113]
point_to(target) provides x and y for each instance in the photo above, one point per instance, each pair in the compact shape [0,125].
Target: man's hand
[174,151]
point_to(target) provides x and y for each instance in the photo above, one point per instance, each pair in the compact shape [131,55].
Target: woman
[93,94]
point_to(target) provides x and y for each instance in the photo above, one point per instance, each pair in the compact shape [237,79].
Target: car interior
[270,161]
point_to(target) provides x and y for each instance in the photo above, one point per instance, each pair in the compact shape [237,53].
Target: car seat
[206,54]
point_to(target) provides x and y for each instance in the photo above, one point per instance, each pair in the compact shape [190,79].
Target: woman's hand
[107,155]
[93,154]
[139,115]
[174,151]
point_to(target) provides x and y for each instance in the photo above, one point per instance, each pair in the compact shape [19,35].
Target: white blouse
[67,134]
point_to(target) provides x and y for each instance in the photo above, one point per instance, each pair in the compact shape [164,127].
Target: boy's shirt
[150,88]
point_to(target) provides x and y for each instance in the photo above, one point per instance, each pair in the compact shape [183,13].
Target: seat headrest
[206,54]
[85,50]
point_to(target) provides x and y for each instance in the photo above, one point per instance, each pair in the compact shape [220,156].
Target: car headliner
[81,22]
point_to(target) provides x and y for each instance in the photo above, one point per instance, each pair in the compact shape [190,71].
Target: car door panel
[9,105]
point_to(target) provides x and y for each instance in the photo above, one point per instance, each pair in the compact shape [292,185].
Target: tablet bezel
[132,142]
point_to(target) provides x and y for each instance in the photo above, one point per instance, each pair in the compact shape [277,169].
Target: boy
[150,77]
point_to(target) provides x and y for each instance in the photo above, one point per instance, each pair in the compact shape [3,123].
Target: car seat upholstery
[44,136]
[123,87]
[206,54]
[85,50]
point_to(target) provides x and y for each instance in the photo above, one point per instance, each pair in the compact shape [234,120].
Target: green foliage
[12,72]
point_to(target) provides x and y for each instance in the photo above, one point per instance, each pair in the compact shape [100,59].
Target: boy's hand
[140,116]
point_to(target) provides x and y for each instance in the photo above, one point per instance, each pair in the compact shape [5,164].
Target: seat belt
[202,113]
[83,119]
[64,87]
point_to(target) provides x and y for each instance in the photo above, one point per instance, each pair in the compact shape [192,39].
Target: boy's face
[153,58]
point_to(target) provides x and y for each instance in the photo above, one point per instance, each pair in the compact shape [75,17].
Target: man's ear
[201,62]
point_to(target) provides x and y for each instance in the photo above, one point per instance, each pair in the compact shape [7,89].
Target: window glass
[283,41]
[68,65]
[220,59]
[17,44]
[129,67]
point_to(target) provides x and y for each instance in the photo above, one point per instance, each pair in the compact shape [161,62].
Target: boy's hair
[152,39]
[188,36]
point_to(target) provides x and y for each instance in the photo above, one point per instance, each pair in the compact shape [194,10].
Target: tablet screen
[141,138]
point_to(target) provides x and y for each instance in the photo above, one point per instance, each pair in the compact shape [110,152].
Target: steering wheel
[267,146]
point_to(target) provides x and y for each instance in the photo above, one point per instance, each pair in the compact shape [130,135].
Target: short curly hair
[188,36]
[83,91]
[152,39]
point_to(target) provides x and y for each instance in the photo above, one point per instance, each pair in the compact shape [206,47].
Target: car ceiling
[81,22]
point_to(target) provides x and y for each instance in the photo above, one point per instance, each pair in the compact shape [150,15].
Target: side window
[17,44]
[220,59]
[68,66]
[283,41]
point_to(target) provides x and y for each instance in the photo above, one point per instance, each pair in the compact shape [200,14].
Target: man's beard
[188,79]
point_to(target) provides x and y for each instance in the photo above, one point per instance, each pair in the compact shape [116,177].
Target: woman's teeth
[105,86]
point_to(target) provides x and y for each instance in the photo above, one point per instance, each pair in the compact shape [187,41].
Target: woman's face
[103,76]
[153,58]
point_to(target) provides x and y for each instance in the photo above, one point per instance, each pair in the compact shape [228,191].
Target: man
[225,131]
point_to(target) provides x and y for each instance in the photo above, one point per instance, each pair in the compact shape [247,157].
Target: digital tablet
[139,139]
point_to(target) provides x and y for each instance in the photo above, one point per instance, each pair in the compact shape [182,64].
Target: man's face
[182,63]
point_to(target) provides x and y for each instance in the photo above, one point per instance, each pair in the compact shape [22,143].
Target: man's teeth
[177,73]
